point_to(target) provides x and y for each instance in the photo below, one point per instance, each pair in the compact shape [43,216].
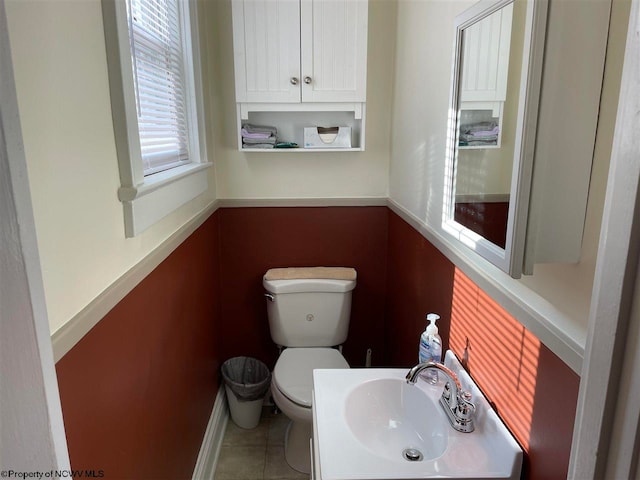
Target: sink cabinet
[370,424]
[297,56]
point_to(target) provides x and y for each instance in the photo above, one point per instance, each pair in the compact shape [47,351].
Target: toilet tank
[309,312]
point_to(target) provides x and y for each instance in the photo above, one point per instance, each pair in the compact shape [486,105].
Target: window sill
[160,194]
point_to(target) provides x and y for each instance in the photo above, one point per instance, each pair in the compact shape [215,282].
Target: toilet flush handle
[270,297]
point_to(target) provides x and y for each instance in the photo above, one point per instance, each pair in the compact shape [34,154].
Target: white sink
[380,414]
[366,419]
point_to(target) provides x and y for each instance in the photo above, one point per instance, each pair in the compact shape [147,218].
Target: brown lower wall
[419,281]
[138,389]
[256,239]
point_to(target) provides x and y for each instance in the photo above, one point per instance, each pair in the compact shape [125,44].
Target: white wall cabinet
[300,50]
[266,46]
[301,56]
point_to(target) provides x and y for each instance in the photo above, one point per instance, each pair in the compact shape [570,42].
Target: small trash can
[246,383]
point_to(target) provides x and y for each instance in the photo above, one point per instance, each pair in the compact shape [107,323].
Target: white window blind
[157,53]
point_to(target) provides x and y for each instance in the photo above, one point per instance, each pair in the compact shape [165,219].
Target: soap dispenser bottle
[430,348]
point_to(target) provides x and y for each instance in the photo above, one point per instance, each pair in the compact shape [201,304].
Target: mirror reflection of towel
[478,127]
[478,134]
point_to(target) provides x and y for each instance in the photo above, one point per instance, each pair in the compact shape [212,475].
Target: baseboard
[303,202]
[207,461]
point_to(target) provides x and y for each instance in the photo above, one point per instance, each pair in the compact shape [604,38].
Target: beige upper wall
[420,111]
[424,48]
[63,95]
[304,175]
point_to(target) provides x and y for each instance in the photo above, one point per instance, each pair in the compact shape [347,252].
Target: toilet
[309,311]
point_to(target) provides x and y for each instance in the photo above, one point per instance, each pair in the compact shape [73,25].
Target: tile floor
[256,454]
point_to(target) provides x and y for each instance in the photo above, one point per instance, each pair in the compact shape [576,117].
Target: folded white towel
[290,273]
[247,141]
[260,129]
[258,145]
[246,134]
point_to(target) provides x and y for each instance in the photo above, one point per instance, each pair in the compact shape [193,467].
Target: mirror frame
[510,259]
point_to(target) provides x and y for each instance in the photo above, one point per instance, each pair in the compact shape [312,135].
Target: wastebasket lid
[293,373]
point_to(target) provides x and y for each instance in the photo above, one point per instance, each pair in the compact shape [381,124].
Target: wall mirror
[497,66]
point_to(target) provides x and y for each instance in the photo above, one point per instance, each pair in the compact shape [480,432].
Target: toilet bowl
[308,310]
[291,388]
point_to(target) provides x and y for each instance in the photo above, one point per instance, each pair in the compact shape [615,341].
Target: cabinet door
[334,50]
[486,58]
[266,44]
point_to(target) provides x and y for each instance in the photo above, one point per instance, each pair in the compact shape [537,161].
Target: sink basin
[380,415]
[369,424]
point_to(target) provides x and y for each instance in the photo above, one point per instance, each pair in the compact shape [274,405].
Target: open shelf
[300,150]
[291,124]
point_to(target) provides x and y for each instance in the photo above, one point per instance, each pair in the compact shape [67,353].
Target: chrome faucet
[455,401]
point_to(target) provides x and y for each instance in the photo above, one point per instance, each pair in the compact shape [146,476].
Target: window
[154,78]
[157,55]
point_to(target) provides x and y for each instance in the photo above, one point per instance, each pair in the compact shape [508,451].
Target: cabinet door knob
[294,80]
[307,80]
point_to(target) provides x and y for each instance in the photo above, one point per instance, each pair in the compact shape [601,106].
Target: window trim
[146,200]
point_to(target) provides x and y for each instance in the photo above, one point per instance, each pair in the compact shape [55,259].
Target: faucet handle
[448,397]
[446,393]
[465,409]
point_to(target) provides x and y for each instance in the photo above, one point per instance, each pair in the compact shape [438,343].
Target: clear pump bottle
[430,348]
